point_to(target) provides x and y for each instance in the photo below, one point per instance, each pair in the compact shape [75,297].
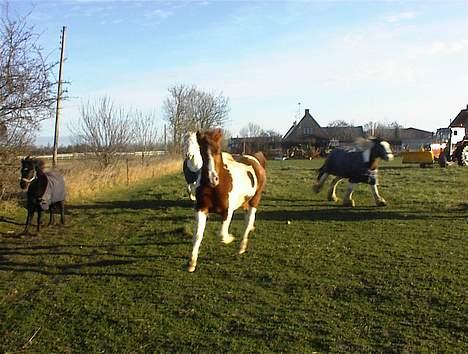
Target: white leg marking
[379,201]
[250,221]
[332,190]
[318,186]
[192,187]
[197,239]
[348,199]
[226,237]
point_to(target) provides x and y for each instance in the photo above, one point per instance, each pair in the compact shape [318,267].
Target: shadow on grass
[153,204]
[339,214]
[10,221]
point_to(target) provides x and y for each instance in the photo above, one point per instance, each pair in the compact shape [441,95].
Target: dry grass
[85,179]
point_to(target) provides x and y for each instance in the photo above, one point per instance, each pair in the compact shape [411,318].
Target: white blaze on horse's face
[388,151]
[192,152]
[212,174]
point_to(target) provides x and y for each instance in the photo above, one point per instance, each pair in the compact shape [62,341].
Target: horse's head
[192,152]
[381,149]
[210,149]
[28,171]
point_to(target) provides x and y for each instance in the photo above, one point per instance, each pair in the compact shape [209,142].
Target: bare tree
[339,124]
[26,78]
[208,110]
[145,131]
[189,108]
[271,133]
[251,130]
[176,109]
[105,128]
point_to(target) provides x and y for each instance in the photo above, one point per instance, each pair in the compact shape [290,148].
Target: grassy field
[334,279]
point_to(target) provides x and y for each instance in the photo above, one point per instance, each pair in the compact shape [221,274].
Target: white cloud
[158,14]
[402,16]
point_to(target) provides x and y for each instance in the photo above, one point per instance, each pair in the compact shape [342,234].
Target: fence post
[128,179]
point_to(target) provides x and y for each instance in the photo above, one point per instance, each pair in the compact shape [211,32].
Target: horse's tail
[261,158]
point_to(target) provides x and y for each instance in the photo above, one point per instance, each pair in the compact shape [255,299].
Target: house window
[307,131]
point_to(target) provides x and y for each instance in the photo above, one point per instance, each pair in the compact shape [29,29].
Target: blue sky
[358,61]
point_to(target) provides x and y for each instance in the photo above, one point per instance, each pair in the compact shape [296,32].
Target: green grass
[334,279]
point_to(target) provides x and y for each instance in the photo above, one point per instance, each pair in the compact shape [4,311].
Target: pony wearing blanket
[358,166]
[45,191]
[227,183]
[192,163]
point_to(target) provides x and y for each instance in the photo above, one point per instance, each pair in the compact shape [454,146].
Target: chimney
[307,111]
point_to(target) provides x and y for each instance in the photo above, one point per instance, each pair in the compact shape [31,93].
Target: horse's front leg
[28,220]
[348,199]
[332,189]
[250,221]
[379,201]
[224,234]
[200,217]
[320,181]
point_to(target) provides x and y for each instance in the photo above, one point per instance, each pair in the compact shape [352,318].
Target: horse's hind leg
[332,189]
[379,201]
[197,239]
[224,234]
[250,221]
[348,199]
[51,216]
[62,212]
[39,220]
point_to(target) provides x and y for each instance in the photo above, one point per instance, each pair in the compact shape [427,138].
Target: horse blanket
[351,165]
[55,190]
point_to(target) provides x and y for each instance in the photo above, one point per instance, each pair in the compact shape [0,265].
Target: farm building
[461,120]
[305,133]
[406,138]
[344,136]
[309,137]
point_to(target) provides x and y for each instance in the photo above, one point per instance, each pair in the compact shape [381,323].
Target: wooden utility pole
[59,98]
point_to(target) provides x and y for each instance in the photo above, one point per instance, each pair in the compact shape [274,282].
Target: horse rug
[351,165]
[55,190]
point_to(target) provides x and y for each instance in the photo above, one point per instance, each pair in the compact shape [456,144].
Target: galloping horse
[45,190]
[227,183]
[192,163]
[357,167]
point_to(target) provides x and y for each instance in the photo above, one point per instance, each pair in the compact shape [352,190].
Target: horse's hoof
[243,248]
[333,199]
[227,239]
[381,203]
[316,188]
[191,267]
[192,197]
[349,203]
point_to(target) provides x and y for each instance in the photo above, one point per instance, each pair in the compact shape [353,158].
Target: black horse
[358,166]
[45,191]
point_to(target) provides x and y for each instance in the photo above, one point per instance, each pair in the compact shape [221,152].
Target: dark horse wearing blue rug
[357,166]
[45,191]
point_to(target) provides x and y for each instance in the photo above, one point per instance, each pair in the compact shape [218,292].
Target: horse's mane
[363,144]
[261,158]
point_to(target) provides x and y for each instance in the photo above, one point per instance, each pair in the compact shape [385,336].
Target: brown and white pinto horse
[227,183]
